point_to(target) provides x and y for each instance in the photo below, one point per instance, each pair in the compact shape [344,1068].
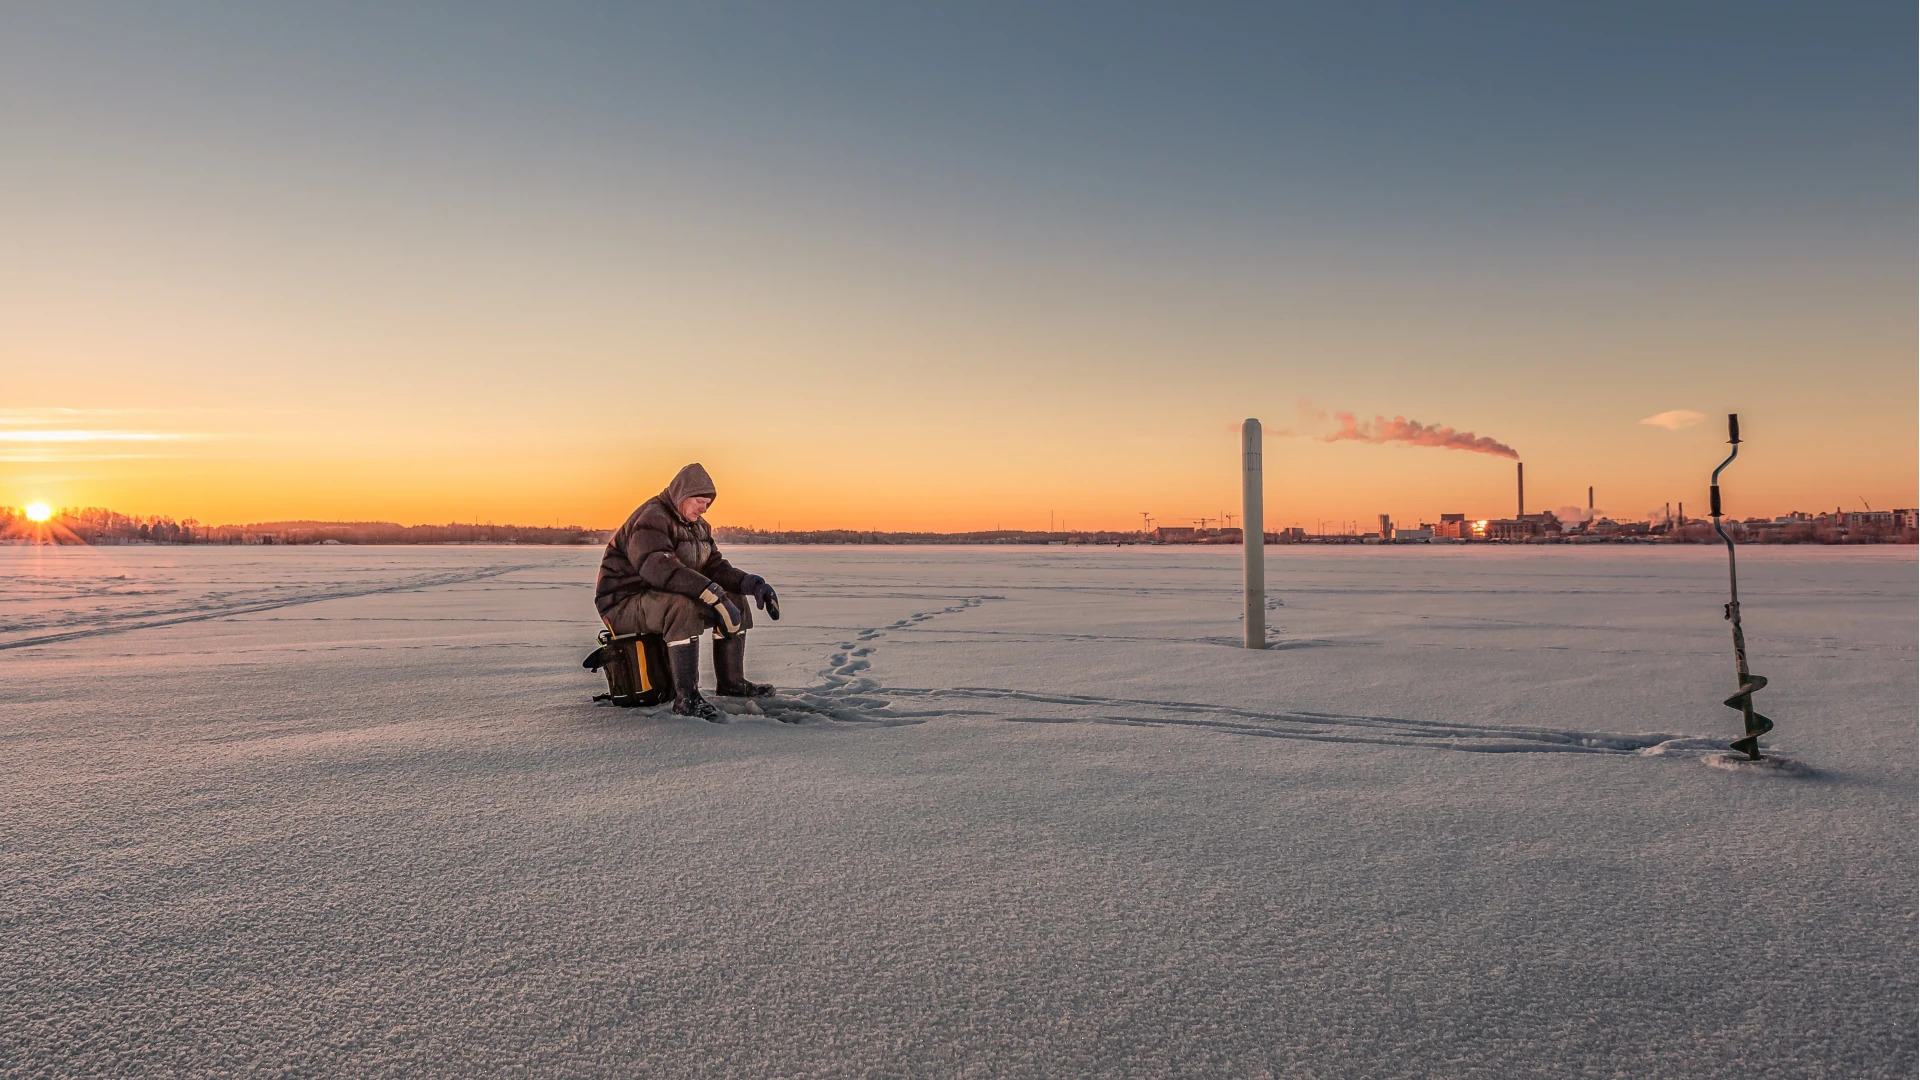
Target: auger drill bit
[1742,699]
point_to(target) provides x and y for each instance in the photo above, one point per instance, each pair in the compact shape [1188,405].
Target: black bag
[636,667]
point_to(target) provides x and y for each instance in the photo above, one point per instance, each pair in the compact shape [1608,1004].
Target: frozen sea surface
[350,812]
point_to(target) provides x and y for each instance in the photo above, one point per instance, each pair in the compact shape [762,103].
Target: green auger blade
[1756,724]
[1743,697]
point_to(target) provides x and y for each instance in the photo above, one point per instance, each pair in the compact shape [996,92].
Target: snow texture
[350,812]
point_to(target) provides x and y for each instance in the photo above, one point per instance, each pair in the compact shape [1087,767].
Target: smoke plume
[1675,419]
[1402,430]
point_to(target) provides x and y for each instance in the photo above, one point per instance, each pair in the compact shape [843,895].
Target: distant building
[1513,528]
[1174,534]
[1451,527]
[1868,521]
[1412,536]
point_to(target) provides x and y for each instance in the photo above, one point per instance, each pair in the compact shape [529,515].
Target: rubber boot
[684,658]
[730,669]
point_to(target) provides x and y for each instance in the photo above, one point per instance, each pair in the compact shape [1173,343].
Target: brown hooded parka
[658,550]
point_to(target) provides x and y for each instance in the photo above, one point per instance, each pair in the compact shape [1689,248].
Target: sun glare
[38,512]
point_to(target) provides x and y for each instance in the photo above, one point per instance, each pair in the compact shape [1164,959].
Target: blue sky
[1022,226]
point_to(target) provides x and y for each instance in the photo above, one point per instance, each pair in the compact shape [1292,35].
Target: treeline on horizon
[95,525]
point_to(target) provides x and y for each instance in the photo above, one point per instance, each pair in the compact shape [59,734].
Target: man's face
[692,507]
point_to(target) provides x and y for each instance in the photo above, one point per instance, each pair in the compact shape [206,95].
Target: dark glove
[730,618]
[756,586]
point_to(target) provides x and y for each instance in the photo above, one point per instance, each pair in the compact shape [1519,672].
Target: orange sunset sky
[889,270]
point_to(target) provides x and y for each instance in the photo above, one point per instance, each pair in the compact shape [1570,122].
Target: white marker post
[1253,534]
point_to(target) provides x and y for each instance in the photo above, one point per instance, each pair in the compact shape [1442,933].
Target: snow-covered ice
[350,812]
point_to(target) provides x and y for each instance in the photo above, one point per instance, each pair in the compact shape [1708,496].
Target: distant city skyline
[957,268]
[39,523]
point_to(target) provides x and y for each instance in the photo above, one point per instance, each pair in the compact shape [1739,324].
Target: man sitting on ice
[663,574]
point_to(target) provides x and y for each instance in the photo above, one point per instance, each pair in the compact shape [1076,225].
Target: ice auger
[1742,699]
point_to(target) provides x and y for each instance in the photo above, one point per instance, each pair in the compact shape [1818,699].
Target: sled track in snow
[1327,727]
[848,695]
[146,621]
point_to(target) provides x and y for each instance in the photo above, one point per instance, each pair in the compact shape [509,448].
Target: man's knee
[672,615]
[702,615]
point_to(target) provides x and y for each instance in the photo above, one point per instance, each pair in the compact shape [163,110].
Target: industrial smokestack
[1589,498]
[1520,476]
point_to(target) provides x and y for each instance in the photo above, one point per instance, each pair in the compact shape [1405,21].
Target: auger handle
[1733,436]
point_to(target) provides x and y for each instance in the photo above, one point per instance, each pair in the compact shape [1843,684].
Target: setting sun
[38,511]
